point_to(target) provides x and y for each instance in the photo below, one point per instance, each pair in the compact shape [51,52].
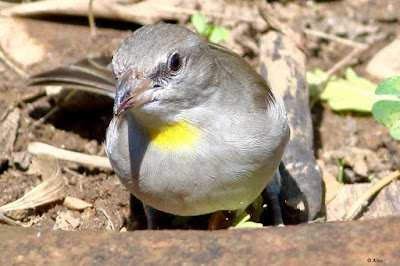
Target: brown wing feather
[92,75]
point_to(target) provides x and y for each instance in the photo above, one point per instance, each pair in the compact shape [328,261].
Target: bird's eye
[175,62]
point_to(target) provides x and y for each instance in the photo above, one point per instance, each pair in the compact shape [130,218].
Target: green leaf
[218,34]
[314,79]
[207,31]
[395,130]
[250,224]
[242,221]
[255,209]
[386,112]
[390,86]
[316,6]
[350,93]
[199,22]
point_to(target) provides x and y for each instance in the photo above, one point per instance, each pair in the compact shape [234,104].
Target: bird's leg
[272,194]
[142,214]
[137,215]
[151,217]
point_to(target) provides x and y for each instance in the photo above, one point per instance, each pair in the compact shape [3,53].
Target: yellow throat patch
[176,136]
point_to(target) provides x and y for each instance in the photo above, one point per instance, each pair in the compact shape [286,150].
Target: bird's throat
[176,136]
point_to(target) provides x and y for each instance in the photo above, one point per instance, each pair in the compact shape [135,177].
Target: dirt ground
[67,39]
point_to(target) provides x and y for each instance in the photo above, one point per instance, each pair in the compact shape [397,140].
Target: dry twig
[70,156]
[92,23]
[265,11]
[335,38]
[110,223]
[9,221]
[31,97]
[142,12]
[52,111]
[37,123]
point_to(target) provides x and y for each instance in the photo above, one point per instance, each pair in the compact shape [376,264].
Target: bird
[195,128]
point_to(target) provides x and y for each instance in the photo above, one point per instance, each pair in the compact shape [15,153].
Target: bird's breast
[175,136]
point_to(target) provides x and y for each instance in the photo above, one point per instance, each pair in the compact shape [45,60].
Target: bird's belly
[186,184]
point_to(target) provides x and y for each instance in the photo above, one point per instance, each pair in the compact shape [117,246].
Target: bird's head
[162,69]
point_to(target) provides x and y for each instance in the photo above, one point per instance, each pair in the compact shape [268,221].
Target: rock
[17,43]
[360,166]
[344,243]
[380,160]
[350,176]
[88,221]
[383,64]
[383,10]
[68,220]
[22,160]
[361,160]
[91,147]
[20,215]
[336,210]
[386,203]
[350,125]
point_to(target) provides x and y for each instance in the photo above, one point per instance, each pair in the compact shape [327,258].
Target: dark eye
[175,62]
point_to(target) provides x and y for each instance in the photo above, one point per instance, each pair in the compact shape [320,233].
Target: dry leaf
[332,186]
[52,189]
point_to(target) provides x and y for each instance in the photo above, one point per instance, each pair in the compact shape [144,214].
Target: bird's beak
[133,90]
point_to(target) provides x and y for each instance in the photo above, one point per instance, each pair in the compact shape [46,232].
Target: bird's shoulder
[243,77]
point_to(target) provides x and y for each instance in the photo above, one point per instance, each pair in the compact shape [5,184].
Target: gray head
[162,68]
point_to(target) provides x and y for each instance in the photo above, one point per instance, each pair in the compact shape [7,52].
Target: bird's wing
[240,66]
[223,49]
[93,75]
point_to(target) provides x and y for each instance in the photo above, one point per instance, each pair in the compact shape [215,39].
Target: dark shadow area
[137,219]
[291,215]
[87,124]
[100,22]
[316,117]
[83,21]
